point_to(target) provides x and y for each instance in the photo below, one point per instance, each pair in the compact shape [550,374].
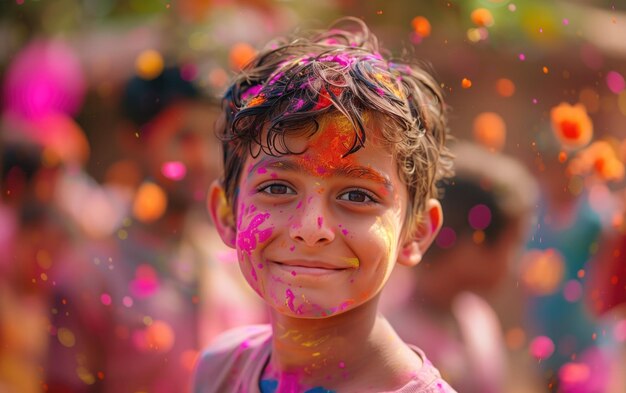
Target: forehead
[324,153]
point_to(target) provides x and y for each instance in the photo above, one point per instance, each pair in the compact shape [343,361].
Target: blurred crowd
[112,278]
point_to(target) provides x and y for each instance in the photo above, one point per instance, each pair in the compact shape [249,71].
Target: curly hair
[288,87]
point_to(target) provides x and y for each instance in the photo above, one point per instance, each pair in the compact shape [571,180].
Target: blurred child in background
[488,208]
[130,304]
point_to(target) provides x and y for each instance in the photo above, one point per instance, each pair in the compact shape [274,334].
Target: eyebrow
[350,170]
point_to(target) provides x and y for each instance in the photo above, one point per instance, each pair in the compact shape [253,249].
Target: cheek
[253,228]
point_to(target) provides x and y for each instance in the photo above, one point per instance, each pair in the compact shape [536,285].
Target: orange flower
[421,26]
[571,125]
[599,159]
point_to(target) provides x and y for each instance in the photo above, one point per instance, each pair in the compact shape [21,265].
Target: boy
[319,217]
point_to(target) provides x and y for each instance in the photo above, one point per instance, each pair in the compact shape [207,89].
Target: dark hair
[287,88]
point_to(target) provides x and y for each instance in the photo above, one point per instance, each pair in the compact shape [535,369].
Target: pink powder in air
[174,170]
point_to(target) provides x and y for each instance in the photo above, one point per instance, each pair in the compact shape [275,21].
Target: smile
[310,268]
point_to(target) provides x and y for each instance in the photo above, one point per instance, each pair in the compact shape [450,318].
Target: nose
[310,226]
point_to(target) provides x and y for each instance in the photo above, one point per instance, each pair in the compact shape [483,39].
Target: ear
[221,213]
[414,248]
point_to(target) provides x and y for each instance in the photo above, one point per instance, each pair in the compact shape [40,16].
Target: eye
[276,189]
[358,196]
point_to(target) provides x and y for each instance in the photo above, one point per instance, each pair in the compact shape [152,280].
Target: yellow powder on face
[353,262]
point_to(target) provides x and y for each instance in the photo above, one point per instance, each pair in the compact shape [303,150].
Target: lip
[313,268]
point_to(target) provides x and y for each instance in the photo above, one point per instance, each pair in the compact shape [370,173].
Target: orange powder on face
[327,147]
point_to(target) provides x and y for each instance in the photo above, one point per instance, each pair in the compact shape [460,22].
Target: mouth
[296,268]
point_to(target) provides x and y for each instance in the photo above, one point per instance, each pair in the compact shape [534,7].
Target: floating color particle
[571,125]
[489,130]
[535,101]
[505,87]
[574,374]
[127,301]
[466,83]
[149,64]
[512,7]
[482,17]
[522,56]
[479,217]
[105,299]
[562,157]
[565,21]
[240,55]
[421,26]
[160,336]
[150,202]
[477,34]
[542,270]
[599,159]
[615,82]
[174,170]
[66,337]
[572,291]
[545,70]
[541,347]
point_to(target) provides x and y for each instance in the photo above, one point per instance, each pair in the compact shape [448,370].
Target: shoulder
[427,379]
[233,358]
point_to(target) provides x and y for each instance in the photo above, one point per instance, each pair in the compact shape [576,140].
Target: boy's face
[317,233]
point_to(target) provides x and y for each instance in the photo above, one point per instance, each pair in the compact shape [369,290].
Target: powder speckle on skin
[353,262]
[289,300]
[320,222]
[247,239]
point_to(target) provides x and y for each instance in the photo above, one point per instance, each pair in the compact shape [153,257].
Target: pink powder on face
[290,298]
[247,239]
[320,222]
[261,171]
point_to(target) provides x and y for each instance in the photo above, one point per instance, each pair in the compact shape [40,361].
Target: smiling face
[317,233]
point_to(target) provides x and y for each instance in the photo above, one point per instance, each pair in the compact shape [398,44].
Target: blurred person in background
[563,331]
[489,208]
[41,145]
[135,323]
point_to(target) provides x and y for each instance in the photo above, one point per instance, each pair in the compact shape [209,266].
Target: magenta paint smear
[290,299]
[320,222]
[247,239]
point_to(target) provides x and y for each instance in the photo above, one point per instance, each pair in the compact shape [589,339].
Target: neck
[357,346]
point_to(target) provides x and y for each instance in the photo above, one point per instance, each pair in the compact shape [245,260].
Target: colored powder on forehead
[327,147]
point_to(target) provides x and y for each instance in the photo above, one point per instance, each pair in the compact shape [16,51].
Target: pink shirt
[234,363]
